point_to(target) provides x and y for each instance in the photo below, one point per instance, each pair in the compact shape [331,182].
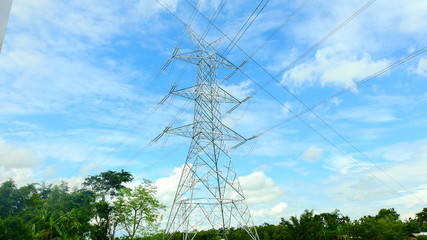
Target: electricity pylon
[209,195]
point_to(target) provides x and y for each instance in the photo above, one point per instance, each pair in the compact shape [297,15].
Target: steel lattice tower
[209,195]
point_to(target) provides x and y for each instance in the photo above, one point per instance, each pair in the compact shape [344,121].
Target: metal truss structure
[209,195]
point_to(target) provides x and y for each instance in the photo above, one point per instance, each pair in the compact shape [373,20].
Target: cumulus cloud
[258,188]
[73,182]
[240,90]
[333,66]
[21,176]
[396,180]
[313,154]
[261,192]
[276,210]
[15,157]
[17,163]
[166,186]
[421,68]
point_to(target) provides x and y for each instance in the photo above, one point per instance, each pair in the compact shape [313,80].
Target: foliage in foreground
[103,205]
[95,211]
[386,225]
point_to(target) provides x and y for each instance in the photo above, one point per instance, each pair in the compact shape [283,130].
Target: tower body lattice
[209,195]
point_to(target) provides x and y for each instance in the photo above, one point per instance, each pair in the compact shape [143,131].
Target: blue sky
[78,87]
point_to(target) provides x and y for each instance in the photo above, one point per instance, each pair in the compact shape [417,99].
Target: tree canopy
[45,211]
[103,205]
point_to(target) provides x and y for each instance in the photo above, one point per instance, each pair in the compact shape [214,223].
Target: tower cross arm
[212,58]
[197,130]
[193,92]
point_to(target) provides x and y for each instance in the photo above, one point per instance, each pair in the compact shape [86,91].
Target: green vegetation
[103,205]
[386,225]
[94,211]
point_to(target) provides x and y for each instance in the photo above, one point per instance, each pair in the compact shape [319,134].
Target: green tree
[49,212]
[137,210]
[390,228]
[333,225]
[106,185]
[63,214]
[412,226]
[421,217]
[307,227]
[388,213]
[13,200]
[14,227]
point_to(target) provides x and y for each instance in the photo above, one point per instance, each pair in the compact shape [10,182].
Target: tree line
[385,225]
[99,209]
[104,208]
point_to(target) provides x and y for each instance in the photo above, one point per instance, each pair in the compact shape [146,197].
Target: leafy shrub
[422,237]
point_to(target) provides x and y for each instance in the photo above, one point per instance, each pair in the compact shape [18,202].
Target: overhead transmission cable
[357,84]
[217,12]
[246,25]
[155,108]
[380,72]
[214,17]
[262,87]
[374,75]
[154,140]
[233,43]
[360,10]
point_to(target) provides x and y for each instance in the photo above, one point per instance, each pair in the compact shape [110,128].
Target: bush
[422,237]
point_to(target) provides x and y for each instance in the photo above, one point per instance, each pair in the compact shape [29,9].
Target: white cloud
[261,192]
[421,67]
[73,182]
[149,8]
[342,164]
[287,163]
[240,90]
[15,157]
[415,198]
[258,188]
[276,210]
[313,154]
[264,197]
[21,176]
[370,114]
[333,66]
[399,182]
[391,24]
[49,83]
[48,171]
[166,187]
[89,167]
[410,17]
[404,151]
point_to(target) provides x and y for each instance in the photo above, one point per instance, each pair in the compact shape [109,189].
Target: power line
[321,119]
[155,108]
[274,78]
[256,11]
[215,15]
[386,69]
